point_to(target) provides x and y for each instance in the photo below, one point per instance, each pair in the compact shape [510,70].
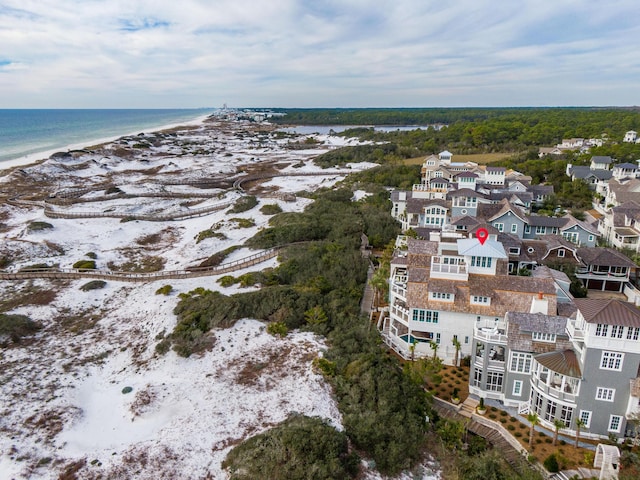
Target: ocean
[24,134]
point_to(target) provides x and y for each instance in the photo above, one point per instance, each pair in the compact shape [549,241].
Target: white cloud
[325,53]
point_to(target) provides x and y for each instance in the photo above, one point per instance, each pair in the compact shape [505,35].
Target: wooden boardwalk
[74,273]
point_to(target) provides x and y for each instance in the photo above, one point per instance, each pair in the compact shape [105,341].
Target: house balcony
[400,313]
[554,391]
[609,274]
[490,331]
[399,290]
[451,268]
[574,332]
[400,279]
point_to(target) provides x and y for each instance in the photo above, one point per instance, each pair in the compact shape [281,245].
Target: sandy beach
[61,390]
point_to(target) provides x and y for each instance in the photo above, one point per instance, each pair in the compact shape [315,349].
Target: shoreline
[39,157]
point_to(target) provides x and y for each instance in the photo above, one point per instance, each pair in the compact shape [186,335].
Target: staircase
[468,407]
[466,413]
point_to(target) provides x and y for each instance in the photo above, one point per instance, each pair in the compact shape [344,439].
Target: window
[444,297]
[494,381]
[616,331]
[633,333]
[566,414]
[499,226]
[483,262]
[541,230]
[585,416]
[611,361]
[437,338]
[590,238]
[466,340]
[520,362]
[514,228]
[615,422]
[561,253]
[514,250]
[550,412]
[543,337]
[554,230]
[527,228]
[477,377]
[605,394]
[601,330]
[517,388]
[479,300]
[429,316]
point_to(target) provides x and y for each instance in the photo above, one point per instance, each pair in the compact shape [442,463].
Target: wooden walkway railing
[74,273]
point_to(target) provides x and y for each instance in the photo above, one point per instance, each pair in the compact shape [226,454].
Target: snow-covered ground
[62,403]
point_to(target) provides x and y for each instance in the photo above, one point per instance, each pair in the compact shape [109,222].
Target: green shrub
[227,281]
[297,449]
[217,258]
[249,279]
[277,329]
[85,265]
[511,427]
[244,204]
[163,346]
[93,285]
[210,233]
[243,222]
[271,209]
[126,390]
[17,326]
[327,367]
[164,290]
[91,255]
[35,266]
[38,226]
[551,463]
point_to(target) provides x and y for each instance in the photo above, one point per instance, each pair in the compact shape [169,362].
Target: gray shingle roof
[604,256]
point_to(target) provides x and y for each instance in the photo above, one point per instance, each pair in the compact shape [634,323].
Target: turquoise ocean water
[29,132]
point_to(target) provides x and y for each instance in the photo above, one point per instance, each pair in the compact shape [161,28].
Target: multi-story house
[566,369]
[448,289]
[604,269]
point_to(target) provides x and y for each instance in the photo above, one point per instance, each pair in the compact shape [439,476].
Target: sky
[318,53]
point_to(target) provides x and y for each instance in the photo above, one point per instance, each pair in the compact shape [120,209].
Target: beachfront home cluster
[529,343]
[461,197]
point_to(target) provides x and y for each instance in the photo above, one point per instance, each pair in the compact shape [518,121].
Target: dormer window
[543,337]
[514,250]
[480,300]
[441,297]
[561,253]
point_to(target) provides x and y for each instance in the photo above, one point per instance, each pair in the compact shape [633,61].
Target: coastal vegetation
[317,287]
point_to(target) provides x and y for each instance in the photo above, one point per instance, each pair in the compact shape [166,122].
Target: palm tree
[558,424]
[579,424]
[434,346]
[412,349]
[457,345]
[533,420]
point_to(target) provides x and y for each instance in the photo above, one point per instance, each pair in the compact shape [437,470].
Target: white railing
[574,332]
[400,312]
[397,289]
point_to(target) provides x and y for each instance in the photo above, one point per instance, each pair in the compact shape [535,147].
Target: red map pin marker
[482,235]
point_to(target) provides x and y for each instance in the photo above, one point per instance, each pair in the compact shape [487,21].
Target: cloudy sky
[318,53]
